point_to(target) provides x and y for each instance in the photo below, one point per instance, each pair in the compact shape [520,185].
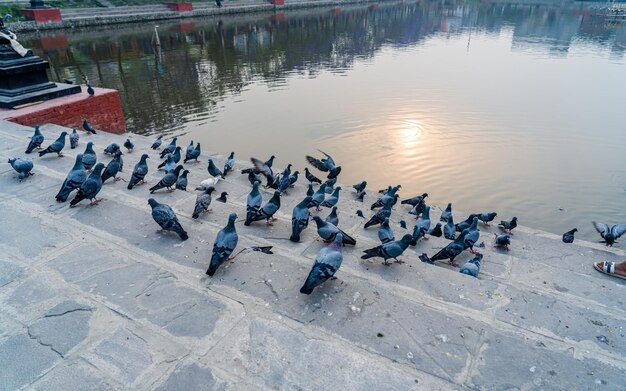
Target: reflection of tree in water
[198,68]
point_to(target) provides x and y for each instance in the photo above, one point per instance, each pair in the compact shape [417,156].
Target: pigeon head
[514,219]
[12,160]
[191,143]
[177,149]
[118,153]
[98,168]
[334,209]
[160,137]
[424,195]
[210,189]
[232,218]
[224,194]
[178,169]
[337,188]
[175,138]
[185,172]
[406,239]
[63,134]
[144,157]
[575,230]
[152,202]
[318,219]
[296,172]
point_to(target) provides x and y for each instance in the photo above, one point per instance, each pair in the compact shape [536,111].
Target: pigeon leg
[274,218]
[453,262]
[170,189]
[486,224]
[425,238]
[59,154]
[95,201]
[385,263]
[399,261]
[117,179]
[142,181]
[506,247]
[268,222]
[473,251]
[333,278]
[317,208]
[209,210]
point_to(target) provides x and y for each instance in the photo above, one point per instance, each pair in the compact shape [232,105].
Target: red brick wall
[103,111]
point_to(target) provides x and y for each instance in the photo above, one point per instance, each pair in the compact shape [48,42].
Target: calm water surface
[512,108]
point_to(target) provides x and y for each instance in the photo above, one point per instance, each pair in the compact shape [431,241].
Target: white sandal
[608,268]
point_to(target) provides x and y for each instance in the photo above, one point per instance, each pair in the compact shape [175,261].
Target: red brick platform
[42,15]
[103,111]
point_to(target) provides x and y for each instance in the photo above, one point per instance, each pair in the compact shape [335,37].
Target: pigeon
[285,181]
[568,237]
[74,179]
[436,231]
[318,197]
[293,178]
[422,225]
[89,157]
[181,182]
[310,177]
[472,267]
[510,225]
[35,141]
[332,217]
[88,128]
[451,251]
[129,145]
[190,152]
[359,187]
[415,200]
[310,191]
[56,147]
[22,166]
[111,149]
[328,231]
[230,161]
[385,234]
[253,203]
[267,211]
[157,143]
[326,165]
[447,214]
[205,184]
[359,198]
[449,230]
[168,181]
[472,236]
[389,250]
[213,170]
[359,213]
[176,155]
[486,217]
[74,137]
[170,148]
[418,209]
[113,168]
[402,224]
[609,235]
[139,172]
[503,241]
[252,177]
[332,199]
[224,245]
[222,197]
[379,216]
[299,219]
[465,224]
[91,187]
[203,200]
[90,90]
[330,183]
[168,164]
[165,217]
[327,263]
[265,169]
[390,195]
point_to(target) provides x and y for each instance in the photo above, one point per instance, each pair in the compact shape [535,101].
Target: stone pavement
[94,299]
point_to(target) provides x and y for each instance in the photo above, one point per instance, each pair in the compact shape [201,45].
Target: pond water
[492,106]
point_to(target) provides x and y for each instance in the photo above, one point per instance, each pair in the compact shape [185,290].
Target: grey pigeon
[22,167]
[225,244]
[449,230]
[503,241]
[472,236]
[129,145]
[299,219]
[380,216]
[330,183]
[418,209]
[181,182]
[510,225]
[609,235]
[90,89]
[252,177]
[465,224]
[230,161]
[359,187]
[74,179]
[253,203]
[176,155]
[447,213]
[472,267]
[293,178]
[486,217]
[90,188]
[56,147]
[360,197]
[310,191]
[332,199]
[88,128]
[139,172]
[157,143]
[385,233]
[285,180]
[359,213]
[328,231]
[264,168]
[327,263]
[170,148]
[89,157]
[422,226]
[436,231]
[568,237]
[169,164]
[35,141]
[203,201]
[113,168]
[310,177]
[254,169]
[390,195]
[168,181]
[389,250]
[111,149]
[326,164]
[318,197]
[415,200]
[332,217]
[192,153]
[222,197]
[165,217]
[74,137]
[451,251]
[267,211]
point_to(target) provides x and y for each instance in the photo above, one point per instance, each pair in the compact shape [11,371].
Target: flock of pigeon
[87,176]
